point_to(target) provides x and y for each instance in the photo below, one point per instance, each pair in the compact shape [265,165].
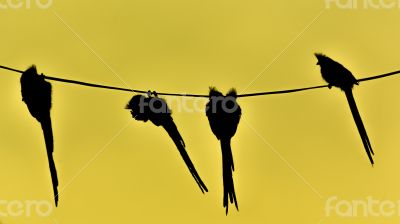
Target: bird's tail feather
[177,138]
[48,137]
[360,125]
[227,169]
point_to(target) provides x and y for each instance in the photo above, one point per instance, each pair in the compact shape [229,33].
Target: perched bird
[337,75]
[224,114]
[36,93]
[156,110]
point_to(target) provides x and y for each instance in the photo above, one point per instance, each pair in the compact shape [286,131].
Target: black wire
[378,76]
[197,95]
[281,91]
[91,85]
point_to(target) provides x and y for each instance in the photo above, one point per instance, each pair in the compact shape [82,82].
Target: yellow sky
[292,152]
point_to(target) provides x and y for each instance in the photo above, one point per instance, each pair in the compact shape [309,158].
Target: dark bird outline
[36,93]
[156,110]
[337,75]
[223,113]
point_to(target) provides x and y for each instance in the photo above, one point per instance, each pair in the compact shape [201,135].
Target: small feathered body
[224,114]
[337,75]
[156,110]
[36,93]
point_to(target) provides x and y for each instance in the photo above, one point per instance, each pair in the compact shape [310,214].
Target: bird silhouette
[36,93]
[337,75]
[224,114]
[156,110]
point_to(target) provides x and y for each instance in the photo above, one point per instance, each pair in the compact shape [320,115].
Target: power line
[197,95]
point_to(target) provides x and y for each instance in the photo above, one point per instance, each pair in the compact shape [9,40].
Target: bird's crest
[232,92]
[214,92]
[321,58]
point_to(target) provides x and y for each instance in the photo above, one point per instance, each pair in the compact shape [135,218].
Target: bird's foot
[151,93]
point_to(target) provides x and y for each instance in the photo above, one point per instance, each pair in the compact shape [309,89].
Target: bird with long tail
[36,93]
[223,113]
[337,75]
[156,110]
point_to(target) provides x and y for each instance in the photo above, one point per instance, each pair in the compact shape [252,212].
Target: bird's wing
[214,118]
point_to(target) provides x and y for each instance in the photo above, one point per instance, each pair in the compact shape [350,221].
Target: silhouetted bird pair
[223,114]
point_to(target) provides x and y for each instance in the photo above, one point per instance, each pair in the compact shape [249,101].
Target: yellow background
[288,148]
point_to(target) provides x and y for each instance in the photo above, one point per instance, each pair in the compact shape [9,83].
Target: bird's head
[29,75]
[32,69]
[139,107]
[322,59]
